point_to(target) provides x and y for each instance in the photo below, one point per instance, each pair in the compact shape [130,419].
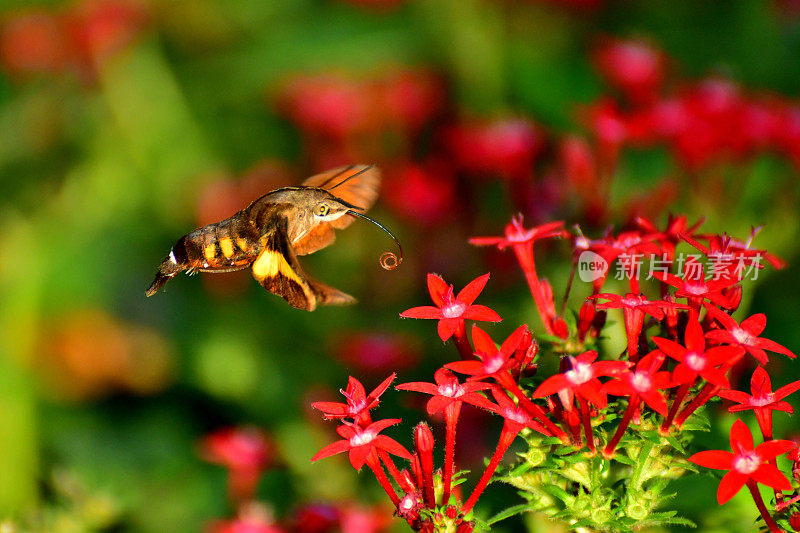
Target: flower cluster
[701,122]
[630,415]
[40,42]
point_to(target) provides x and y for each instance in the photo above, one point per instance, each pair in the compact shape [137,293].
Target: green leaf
[511,511]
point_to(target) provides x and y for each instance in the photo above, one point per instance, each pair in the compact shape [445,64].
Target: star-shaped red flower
[358,403]
[491,361]
[695,360]
[745,463]
[644,381]
[582,380]
[451,311]
[361,442]
[448,390]
[762,400]
[745,335]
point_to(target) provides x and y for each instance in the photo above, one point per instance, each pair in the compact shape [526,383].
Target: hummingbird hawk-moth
[269,234]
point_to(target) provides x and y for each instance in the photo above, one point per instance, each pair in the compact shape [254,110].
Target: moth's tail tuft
[159,282]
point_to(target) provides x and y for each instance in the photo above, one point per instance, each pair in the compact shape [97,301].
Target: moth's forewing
[361,191]
[357,185]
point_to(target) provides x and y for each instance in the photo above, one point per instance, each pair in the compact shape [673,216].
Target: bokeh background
[126,123]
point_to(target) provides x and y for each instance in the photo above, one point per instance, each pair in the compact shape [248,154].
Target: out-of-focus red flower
[410,98]
[424,193]
[315,518]
[452,310]
[253,518]
[358,519]
[746,464]
[376,351]
[245,451]
[635,68]
[505,147]
[762,400]
[360,443]
[328,105]
[99,28]
[32,42]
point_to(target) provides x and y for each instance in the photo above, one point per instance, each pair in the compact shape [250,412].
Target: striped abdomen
[228,245]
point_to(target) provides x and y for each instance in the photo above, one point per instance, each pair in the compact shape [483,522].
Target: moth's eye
[323,210]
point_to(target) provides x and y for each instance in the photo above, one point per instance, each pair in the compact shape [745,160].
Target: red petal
[618,387]
[331,408]
[760,381]
[786,390]
[731,483]
[683,374]
[671,348]
[736,396]
[741,437]
[759,354]
[380,425]
[513,341]
[437,289]
[392,446]
[719,459]
[774,448]
[592,391]
[426,312]
[419,386]
[469,293]
[769,475]
[694,335]
[437,403]
[332,449]
[358,455]
[483,342]
[380,389]
[471,368]
[716,376]
[447,327]
[755,324]
[773,346]
[551,385]
[610,368]
[655,400]
[481,313]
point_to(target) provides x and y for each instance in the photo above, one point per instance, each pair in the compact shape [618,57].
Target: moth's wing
[277,270]
[361,191]
[316,238]
[327,295]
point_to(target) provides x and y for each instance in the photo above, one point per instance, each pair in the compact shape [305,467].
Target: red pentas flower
[358,403]
[634,308]
[245,451]
[581,379]
[695,288]
[645,381]
[506,147]
[447,390]
[491,360]
[361,442]
[633,67]
[745,335]
[745,463]
[451,311]
[695,360]
[762,400]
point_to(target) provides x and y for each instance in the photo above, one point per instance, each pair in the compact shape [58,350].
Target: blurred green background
[124,125]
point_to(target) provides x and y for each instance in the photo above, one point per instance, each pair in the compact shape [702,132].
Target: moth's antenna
[349,177]
[388,260]
[346,169]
